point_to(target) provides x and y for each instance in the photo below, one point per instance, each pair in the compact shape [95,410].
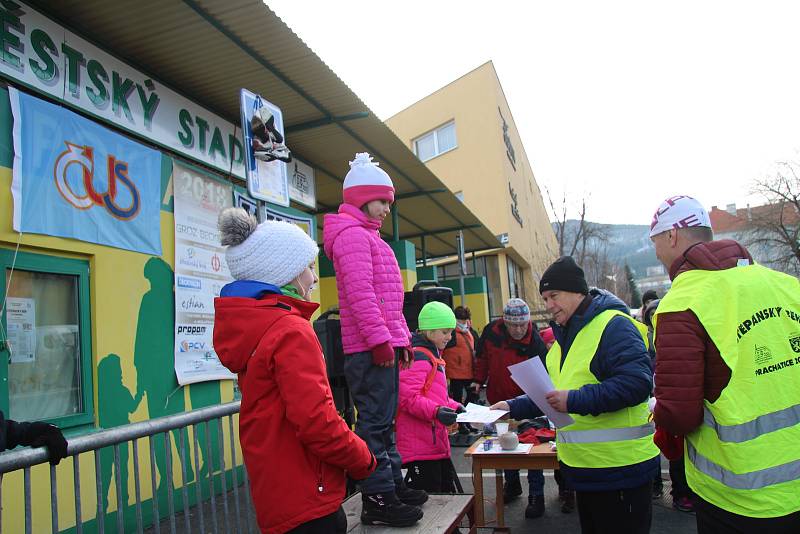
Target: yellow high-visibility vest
[613,439]
[745,456]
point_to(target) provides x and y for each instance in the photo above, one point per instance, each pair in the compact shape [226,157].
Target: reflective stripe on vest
[609,434]
[759,426]
[612,439]
[749,436]
[779,474]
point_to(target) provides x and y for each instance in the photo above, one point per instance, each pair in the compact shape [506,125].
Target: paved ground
[666,520]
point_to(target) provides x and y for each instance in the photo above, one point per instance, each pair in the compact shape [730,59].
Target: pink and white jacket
[420,436]
[368,281]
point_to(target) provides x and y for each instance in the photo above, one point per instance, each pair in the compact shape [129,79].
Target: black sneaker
[386,509]
[511,490]
[535,507]
[567,499]
[414,497]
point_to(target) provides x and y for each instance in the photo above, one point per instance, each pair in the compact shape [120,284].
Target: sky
[624,103]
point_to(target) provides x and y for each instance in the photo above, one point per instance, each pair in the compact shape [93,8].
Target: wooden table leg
[477,485]
[500,504]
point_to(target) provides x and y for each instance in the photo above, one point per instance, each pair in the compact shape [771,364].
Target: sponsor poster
[306,223]
[265,152]
[200,272]
[74,178]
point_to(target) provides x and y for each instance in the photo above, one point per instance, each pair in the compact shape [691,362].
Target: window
[45,347]
[516,283]
[479,266]
[436,142]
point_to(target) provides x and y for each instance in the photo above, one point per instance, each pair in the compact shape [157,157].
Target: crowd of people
[709,378]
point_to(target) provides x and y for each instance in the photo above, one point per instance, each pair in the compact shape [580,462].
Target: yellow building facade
[465,133]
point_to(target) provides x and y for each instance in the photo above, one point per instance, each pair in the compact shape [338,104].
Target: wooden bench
[443,515]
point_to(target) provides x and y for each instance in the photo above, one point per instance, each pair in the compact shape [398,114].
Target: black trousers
[335,523]
[714,520]
[433,476]
[461,392]
[628,511]
[677,473]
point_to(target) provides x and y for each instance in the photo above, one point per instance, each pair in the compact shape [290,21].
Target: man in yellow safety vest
[603,379]
[727,336]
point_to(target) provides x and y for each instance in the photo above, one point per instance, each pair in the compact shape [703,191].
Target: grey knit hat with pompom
[274,252]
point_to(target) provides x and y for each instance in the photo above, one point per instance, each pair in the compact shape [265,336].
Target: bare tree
[774,233]
[587,242]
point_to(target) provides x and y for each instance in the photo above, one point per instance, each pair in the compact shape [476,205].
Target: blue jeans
[535,480]
[374,390]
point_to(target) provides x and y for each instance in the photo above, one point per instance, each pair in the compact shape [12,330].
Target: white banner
[200,273]
[47,57]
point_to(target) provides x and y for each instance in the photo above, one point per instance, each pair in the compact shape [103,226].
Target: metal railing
[25,459]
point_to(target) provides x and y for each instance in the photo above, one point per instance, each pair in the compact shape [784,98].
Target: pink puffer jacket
[420,436]
[368,280]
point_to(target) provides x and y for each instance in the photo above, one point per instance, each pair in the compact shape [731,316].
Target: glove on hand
[446,416]
[461,409]
[44,434]
[383,353]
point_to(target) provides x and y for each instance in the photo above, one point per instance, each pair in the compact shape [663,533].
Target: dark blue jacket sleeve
[522,407]
[622,366]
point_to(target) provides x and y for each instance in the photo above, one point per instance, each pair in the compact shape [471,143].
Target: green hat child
[436,315]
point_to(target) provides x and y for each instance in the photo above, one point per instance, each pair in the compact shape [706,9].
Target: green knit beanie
[435,315]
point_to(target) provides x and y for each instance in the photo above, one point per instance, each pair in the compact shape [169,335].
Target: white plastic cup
[502,428]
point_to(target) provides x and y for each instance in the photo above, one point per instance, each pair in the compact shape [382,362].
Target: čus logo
[87,196]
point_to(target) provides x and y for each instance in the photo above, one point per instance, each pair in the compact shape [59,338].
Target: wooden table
[443,514]
[539,457]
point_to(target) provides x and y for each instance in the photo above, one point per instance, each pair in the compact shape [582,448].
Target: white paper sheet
[522,448]
[475,413]
[532,377]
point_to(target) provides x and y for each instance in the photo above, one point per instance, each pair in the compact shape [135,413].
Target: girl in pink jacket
[425,408]
[375,337]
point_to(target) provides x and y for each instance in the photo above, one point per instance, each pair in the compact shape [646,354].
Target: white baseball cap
[680,211]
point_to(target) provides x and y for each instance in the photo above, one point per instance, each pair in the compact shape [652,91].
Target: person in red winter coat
[297,449]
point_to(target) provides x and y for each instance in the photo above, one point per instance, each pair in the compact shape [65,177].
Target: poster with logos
[265,152]
[200,272]
[302,187]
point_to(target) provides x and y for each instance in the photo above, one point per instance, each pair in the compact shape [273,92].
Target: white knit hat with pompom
[274,252]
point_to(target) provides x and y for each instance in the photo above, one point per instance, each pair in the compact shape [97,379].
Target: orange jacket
[460,357]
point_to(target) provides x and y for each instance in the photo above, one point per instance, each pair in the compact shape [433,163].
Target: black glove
[461,409]
[446,416]
[44,434]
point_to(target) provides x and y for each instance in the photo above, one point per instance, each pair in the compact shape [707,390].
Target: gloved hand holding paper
[475,413]
[532,377]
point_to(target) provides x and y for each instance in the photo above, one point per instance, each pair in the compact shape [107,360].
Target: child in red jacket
[425,408]
[296,447]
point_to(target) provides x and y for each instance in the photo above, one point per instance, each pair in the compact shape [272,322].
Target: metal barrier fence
[242,506]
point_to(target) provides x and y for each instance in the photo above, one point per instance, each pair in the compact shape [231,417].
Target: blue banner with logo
[74,178]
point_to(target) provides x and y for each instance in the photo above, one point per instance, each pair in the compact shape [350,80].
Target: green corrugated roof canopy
[208,50]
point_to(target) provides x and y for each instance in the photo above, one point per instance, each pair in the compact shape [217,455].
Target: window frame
[435,134]
[45,263]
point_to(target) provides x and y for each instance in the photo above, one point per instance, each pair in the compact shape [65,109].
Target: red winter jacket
[496,351]
[689,367]
[296,447]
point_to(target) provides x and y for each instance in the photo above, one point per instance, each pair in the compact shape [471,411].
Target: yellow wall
[481,169]
[117,285]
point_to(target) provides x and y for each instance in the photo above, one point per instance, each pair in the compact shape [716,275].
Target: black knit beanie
[564,275]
